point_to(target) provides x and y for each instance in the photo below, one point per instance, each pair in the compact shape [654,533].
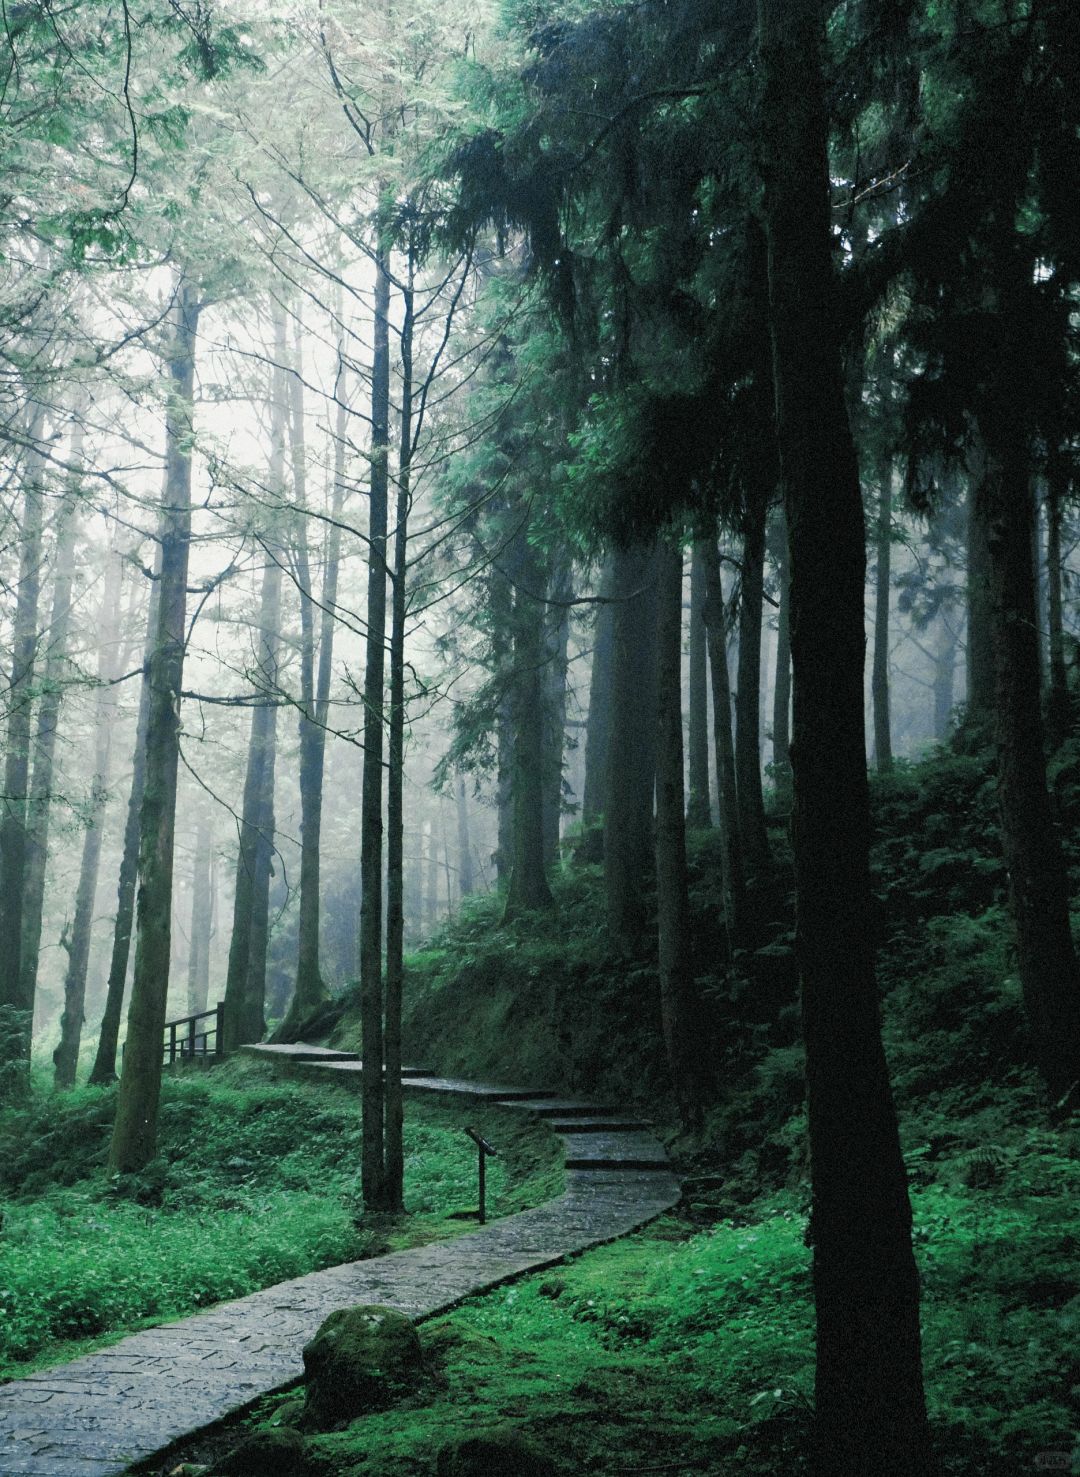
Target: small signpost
[483,1150]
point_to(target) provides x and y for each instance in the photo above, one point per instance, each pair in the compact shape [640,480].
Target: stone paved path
[96,1415]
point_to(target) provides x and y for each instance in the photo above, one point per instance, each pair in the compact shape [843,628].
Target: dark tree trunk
[504,794]
[870,1408]
[245,981]
[66,1055]
[528,890]
[980,648]
[631,750]
[734,873]
[202,922]
[755,841]
[782,685]
[1038,882]
[16,1011]
[373,1160]
[466,873]
[104,1069]
[394,1189]
[598,725]
[698,811]
[1058,714]
[879,679]
[48,719]
[135,1131]
[557,623]
[682,1028]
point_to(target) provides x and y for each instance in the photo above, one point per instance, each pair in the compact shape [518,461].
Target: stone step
[299,1051]
[609,1123]
[547,1105]
[616,1151]
[354,1064]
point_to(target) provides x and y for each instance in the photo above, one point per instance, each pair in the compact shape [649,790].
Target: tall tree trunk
[698,811]
[16,1011]
[198,985]
[755,841]
[631,751]
[943,680]
[528,889]
[66,1055]
[682,1029]
[870,1407]
[466,871]
[782,686]
[734,873]
[373,1162]
[104,1068]
[879,679]
[1058,714]
[310,989]
[556,667]
[431,879]
[1038,882]
[598,724]
[245,983]
[135,1131]
[48,719]
[504,793]
[394,1152]
[980,648]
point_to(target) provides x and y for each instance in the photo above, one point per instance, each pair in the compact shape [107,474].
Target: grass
[256,1181]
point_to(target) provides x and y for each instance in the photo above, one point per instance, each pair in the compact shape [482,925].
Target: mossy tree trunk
[135,1131]
[870,1412]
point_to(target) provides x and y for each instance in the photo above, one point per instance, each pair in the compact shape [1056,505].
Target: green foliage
[256,1181]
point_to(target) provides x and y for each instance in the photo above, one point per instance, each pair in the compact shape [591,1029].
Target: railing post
[483,1150]
[172,1043]
[219,1039]
[191,1037]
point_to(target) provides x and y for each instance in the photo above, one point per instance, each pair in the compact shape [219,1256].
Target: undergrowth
[256,1181]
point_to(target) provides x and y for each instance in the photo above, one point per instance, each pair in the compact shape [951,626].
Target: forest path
[98,1414]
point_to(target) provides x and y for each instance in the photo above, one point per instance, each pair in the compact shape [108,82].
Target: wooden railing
[184,1040]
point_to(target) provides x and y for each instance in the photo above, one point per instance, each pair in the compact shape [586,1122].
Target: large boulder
[273,1452]
[361,1359]
[501,1452]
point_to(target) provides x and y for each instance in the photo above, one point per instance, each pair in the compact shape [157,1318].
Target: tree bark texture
[682,1028]
[870,1408]
[466,870]
[698,811]
[66,1055]
[556,668]
[373,1163]
[598,724]
[631,750]
[16,1011]
[202,916]
[135,1131]
[528,890]
[733,870]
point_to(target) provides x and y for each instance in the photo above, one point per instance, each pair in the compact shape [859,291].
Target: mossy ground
[257,1180]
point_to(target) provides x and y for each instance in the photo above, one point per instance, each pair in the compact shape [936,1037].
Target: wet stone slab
[98,1414]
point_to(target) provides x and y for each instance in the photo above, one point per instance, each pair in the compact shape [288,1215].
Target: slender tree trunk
[944,679]
[755,841]
[734,873]
[556,668]
[373,1163]
[879,679]
[631,753]
[198,985]
[682,1028]
[504,793]
[135,1131]
[598,725]
[870,1408]
[466,872]
[48,719]
[245,983]
[1058,714]
[431,879]
[1038,882]
[66,1055]
[528,890]
[980,648]
[394,1152]
[698,812]
[104,1069]
[16,1011]
[782,686]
